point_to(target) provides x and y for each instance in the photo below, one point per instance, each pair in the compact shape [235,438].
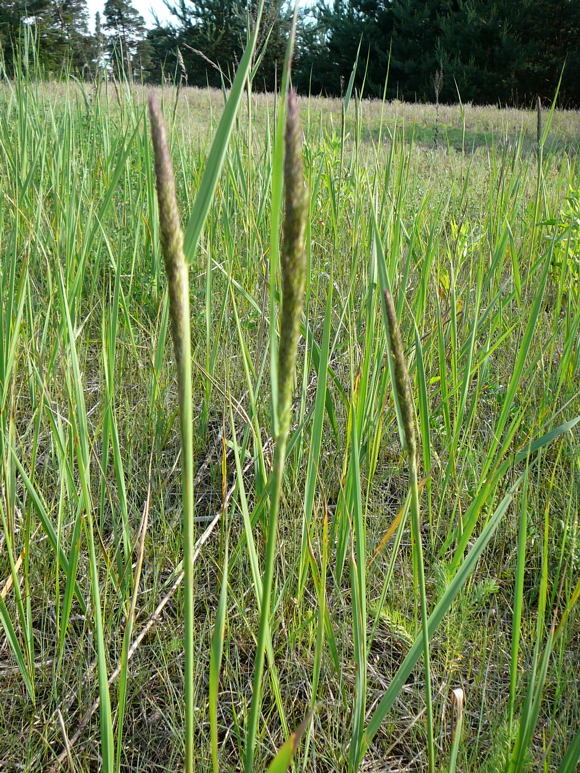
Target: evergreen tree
[14,14]
[63,32]
[99,43]
[312,70]
[163,46]
[491,50]
[126,29]
[59,28]
[327,48]
[480,52]
[549,34]
[275,28]
[368,24]
[143,60]
[211,36]
[417,48]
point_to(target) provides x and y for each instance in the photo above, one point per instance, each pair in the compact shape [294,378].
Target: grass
[478,243]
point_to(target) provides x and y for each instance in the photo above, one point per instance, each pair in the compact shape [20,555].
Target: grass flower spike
[293,269]
[178,288]
[293,261]
[402,380]
[171,235]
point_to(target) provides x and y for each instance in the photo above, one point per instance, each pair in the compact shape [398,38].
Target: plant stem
[267,581]
[293,275]
[416,530]
[406,417]
[178,287]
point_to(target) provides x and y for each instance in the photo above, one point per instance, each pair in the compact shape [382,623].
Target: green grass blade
[12,639]
[436,617]
[217,644]
[217,154]
[283,759]
[570,761]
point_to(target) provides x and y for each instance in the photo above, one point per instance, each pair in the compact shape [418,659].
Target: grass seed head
[182,68]
[402,380]
[293,260]
[170,226]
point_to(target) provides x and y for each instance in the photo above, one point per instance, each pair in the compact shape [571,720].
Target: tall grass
[317,599]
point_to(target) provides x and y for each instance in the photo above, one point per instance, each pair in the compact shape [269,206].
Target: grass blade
[217,154]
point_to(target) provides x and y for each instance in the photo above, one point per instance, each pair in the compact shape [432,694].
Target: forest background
[485,52]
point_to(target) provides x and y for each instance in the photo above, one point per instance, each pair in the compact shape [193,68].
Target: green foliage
[477,247]
[487,52]
[60,31]
[126,37]
[211,36]
[492,52]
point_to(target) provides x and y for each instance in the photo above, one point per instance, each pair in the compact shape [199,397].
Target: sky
[143,6]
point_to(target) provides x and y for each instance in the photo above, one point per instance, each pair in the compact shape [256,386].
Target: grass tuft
[378,490]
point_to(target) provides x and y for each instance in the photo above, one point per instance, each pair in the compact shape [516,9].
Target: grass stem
[178,287]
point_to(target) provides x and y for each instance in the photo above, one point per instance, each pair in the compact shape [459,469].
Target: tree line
[482,51]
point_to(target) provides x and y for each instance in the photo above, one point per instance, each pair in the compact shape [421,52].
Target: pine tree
[275,28]
[549,31]
[64,35]
[60,32]
[126,29]
[14,14]
[211,36]
[312,71]
[417,47]
[99,43]
[163,45]
[480,52]
[374,33]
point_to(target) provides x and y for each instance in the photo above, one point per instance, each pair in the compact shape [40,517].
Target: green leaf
[460,578]
[283,758]
[217,154]
[16,648]
[572,756]
[217,644]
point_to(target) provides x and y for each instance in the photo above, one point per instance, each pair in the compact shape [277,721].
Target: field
[476,229]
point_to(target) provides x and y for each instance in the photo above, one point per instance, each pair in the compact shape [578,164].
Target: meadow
[471,216]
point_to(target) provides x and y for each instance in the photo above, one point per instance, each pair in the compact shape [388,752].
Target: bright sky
[143,6]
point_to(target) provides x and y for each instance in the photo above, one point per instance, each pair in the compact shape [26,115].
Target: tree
[549,31]
[312,71]
[63,29]
[14,15]
[328,43]
[491,50]
[480,52]
[211,36]
[395,37]
[418,48]
[163,45]
[59,29]
[368,24]
[99,44]
[273,38]
[126,29]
